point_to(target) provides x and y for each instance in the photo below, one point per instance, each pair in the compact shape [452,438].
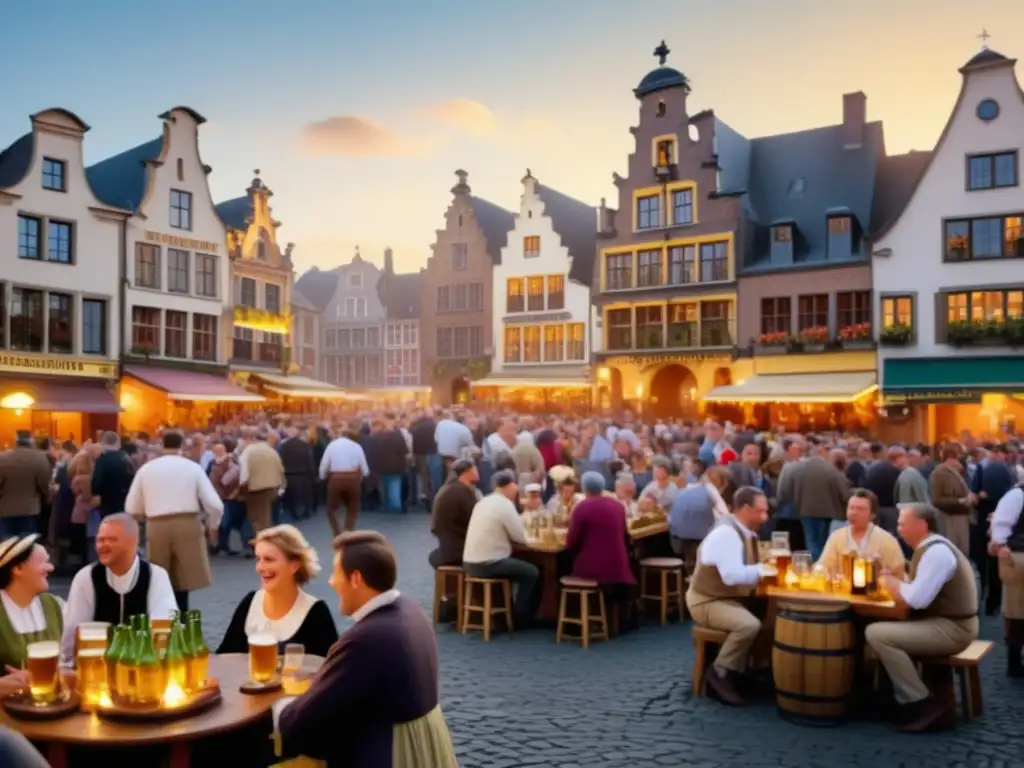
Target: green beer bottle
[149,688]
[199,658]
[175,663]
[115,651]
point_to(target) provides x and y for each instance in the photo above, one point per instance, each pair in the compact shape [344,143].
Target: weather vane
[662,52]
[984,36]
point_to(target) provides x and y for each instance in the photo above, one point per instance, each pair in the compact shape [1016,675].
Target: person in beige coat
[952,497]
[262,479]
[25,476]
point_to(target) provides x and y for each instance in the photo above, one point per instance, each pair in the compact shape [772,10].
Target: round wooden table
[235,711]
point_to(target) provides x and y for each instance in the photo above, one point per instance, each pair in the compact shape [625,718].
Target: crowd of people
[484,477]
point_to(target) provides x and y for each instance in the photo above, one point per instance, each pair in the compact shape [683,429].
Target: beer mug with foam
[262,657]
[43,662]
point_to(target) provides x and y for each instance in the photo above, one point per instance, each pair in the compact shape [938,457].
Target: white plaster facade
[909,257]
[157,229]
[548,259]
[62,245]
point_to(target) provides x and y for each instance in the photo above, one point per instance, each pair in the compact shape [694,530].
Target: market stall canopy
[301,387]
[542,377]
[192,385]
[60,397]
[798,388]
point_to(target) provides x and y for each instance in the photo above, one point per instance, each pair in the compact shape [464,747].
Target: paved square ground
[522,700]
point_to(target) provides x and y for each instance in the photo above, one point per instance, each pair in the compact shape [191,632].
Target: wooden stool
[665,567]
[584,589]
[702,660]
[965,667]
[441,577]
[486,607]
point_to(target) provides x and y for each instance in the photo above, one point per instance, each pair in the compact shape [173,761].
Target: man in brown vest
[943,598]
[723,583]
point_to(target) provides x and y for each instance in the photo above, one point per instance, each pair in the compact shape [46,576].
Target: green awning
[950,379]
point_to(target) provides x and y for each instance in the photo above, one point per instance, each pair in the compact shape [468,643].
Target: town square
[424,387]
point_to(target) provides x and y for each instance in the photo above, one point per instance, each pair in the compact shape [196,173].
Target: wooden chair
[702,658]
[670,585]
[965,666]
[442,576]
[585,590]
[486,607]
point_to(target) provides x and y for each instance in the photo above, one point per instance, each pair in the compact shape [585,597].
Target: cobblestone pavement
[522,700]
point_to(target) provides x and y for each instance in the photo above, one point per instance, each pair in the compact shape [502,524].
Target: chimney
[389,267]
[605,219]
[855,112]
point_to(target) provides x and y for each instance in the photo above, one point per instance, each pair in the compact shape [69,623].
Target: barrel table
[814,661]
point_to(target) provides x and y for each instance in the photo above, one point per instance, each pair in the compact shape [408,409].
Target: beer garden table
[863,606]
[235,711]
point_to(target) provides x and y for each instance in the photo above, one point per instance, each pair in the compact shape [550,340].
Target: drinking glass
[780,540]
[93,634]
[764,551]
[43,662]
[294,678]
[92,675]
[262,658]
[801,563]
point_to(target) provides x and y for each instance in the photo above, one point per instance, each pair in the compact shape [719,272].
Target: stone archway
[460,390]
[673,393]
[609,389]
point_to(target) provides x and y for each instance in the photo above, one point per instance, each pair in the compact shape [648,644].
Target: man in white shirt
[494,527]
[120,585]
[453,439]
[1007,546]
[171,493]
[343,467]
[723,583]
[943,596]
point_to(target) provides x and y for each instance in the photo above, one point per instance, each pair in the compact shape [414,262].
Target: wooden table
[862,606]
[545,557]
[236,710]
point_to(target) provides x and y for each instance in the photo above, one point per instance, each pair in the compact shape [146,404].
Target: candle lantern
[861,576]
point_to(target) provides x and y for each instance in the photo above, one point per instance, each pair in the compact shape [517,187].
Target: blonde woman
[280,607]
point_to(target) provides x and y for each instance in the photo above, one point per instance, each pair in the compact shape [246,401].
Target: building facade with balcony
[457,315]
[59,298]
[948,271]
[177,279]
[665,274]
[541,304]
[806,357]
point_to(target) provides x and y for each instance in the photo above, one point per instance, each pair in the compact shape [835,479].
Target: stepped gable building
[177,277]
[947,270]
[541,304]
[59,300]
[665,275]
[401,295]
[457,322]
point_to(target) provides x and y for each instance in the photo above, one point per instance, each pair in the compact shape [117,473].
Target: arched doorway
[460,390]
[673,393]
[726,411]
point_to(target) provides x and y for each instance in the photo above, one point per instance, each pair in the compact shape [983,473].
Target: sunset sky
[359,113]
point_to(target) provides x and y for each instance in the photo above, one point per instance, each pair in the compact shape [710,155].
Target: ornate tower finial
[662,52]
[984,36]
[462,176]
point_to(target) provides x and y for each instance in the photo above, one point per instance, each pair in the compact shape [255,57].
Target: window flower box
[856,336]
[898,335]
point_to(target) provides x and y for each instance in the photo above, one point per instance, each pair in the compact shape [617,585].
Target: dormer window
[782,233]
[666,152]
[355,280]
[782,244]
[661,108]
[840,237]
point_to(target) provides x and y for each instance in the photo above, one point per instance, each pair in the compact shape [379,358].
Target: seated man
[120,585]
[493,528]
[450,513]
[943,596]
[863,537]
[17,752]
[723,581]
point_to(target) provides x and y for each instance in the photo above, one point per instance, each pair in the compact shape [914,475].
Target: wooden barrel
[813,661]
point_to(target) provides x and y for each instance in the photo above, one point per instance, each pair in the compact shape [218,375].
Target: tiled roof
[401,295]
[318,286]
[576,223]
[984,56]
[121,180]
[801,177]
[16,160]
[896,180]
[235,213]
[495,222]
[299,301]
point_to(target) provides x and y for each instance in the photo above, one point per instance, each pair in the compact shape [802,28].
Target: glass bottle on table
[149,674]
[199,660]
[115,651]
[175,663]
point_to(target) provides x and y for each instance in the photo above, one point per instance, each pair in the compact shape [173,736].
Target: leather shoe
[931,715]
[723,689]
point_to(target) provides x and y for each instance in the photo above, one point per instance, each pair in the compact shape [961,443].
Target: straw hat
[14,546]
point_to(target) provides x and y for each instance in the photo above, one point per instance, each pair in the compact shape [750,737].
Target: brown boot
[723,688]
[931,715]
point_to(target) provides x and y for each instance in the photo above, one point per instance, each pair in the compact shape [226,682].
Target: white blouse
[283,629]
[29,619]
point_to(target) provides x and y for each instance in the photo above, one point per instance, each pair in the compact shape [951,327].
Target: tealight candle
[860,577]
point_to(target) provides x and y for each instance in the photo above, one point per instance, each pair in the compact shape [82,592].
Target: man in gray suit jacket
[818,492]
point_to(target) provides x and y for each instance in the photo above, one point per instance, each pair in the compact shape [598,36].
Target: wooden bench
[965,667]
[702,660]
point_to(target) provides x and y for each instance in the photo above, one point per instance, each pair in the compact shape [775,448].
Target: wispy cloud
[466,115]
[357,136]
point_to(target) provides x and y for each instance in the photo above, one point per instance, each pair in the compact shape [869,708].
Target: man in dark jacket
[881,480]
[299,471]
[992,479]
[112,476]
[388,457]
[424,451]
[453,506]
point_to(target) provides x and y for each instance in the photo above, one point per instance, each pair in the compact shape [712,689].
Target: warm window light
[603,373]
[17,401]
[639,390]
